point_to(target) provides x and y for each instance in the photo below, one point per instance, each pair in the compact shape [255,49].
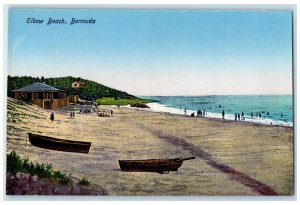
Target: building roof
[37,87]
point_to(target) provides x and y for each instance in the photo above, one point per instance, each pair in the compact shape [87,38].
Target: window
[55,95]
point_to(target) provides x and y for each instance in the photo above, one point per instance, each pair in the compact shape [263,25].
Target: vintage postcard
[149,102]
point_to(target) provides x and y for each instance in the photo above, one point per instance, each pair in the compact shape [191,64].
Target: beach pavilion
[42,95]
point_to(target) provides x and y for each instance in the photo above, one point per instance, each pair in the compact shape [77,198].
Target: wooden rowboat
[152,165]
[59,144]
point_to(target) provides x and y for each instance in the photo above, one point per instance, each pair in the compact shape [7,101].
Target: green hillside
[91,91]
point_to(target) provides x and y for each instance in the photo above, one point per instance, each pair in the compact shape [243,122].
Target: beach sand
[232,158]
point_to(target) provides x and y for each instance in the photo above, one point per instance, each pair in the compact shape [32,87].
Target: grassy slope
[112,101]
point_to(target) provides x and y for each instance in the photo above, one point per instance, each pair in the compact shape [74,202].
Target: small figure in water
[251,114]
[180,107]
[235,116]
[259,115]
[52,116]
[243,116]
[223,114]
[267,113]
[281,115]
[184,111]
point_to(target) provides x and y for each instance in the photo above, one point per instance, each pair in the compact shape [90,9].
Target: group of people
[238,116]
[106,113]
[72,114]
[88,109]
[200,113]
[258,114]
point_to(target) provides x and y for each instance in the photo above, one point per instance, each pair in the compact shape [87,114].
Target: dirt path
[255,185]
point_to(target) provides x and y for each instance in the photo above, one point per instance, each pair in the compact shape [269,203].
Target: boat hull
[151,165]
[59,144]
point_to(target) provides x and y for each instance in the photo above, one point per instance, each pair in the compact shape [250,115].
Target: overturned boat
[59,144]
[152,165]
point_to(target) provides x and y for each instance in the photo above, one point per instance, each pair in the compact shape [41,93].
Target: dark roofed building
[42,95]
[37,87]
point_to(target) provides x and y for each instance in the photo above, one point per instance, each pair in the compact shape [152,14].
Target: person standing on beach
[184,111]
[200,113]
[235,116]
[52,116]
[239,116]
[223,114]
[73,114]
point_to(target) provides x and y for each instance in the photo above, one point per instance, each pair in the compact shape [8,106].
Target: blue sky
[158,52]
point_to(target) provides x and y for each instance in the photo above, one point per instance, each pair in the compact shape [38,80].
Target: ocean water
[274,109]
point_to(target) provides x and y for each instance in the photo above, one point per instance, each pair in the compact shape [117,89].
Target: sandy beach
[232,158]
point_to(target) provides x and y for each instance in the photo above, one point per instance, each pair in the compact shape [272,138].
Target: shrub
[84,181]
[16,164]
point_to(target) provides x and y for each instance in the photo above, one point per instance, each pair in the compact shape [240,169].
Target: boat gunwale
[165,160]
[152,161]
[58,140]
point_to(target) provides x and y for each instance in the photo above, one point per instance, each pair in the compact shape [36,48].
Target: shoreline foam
[157,107]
